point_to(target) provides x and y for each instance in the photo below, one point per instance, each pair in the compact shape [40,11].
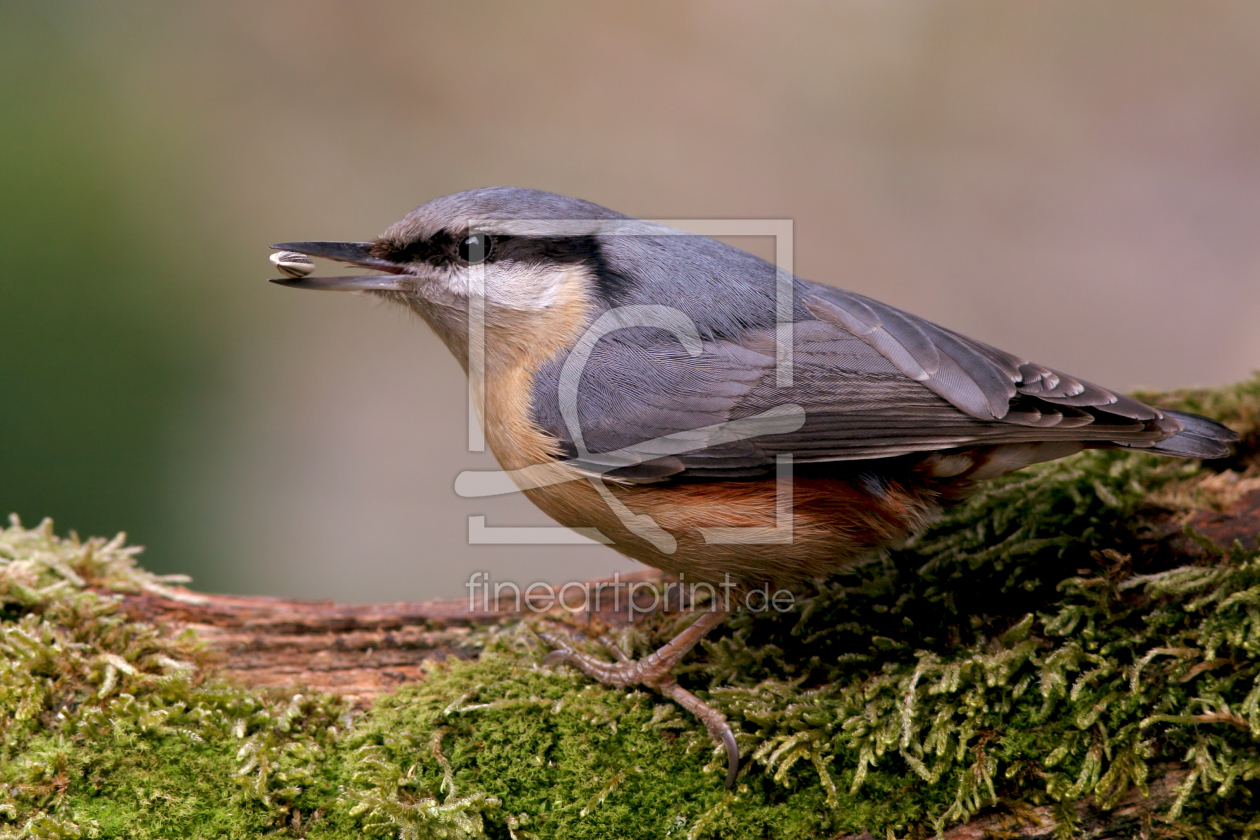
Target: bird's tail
[1199,438]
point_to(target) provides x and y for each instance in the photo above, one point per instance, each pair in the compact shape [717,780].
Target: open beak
[353,253]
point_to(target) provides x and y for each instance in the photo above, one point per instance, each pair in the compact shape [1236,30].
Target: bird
[709,414]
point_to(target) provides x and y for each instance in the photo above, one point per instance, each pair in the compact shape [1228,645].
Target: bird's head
[534,262]
[521,249]
[541,266]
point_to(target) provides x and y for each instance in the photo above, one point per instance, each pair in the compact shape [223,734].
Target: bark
[354,650]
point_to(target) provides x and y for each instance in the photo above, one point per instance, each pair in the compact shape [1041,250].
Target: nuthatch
[712,416]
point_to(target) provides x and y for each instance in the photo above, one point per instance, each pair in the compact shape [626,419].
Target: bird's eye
[476,248]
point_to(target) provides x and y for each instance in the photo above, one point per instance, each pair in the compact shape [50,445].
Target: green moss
[1055,640]
[113,729]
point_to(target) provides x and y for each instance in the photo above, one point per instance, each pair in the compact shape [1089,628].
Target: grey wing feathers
[978,379]
[1199,438]
[873,381]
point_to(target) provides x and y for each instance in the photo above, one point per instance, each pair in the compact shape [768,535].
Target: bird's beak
[354,253]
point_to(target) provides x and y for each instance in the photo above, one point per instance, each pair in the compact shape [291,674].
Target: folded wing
[873,381]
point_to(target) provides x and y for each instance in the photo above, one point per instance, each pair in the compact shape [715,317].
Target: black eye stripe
[565,250]
[437,250]
[446,248]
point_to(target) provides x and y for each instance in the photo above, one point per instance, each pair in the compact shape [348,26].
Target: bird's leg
[656,671]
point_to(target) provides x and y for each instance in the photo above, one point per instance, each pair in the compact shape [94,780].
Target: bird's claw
[652,672]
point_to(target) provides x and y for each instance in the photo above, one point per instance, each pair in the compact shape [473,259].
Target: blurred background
[1075,181]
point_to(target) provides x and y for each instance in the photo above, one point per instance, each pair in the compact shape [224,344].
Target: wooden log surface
[355,650]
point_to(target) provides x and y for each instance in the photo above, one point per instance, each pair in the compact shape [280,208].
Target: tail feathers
[1200,438]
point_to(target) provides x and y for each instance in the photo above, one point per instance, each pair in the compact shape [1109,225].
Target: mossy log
[1073,653]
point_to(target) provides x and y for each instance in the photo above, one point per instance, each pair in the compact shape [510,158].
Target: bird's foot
[655,671]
